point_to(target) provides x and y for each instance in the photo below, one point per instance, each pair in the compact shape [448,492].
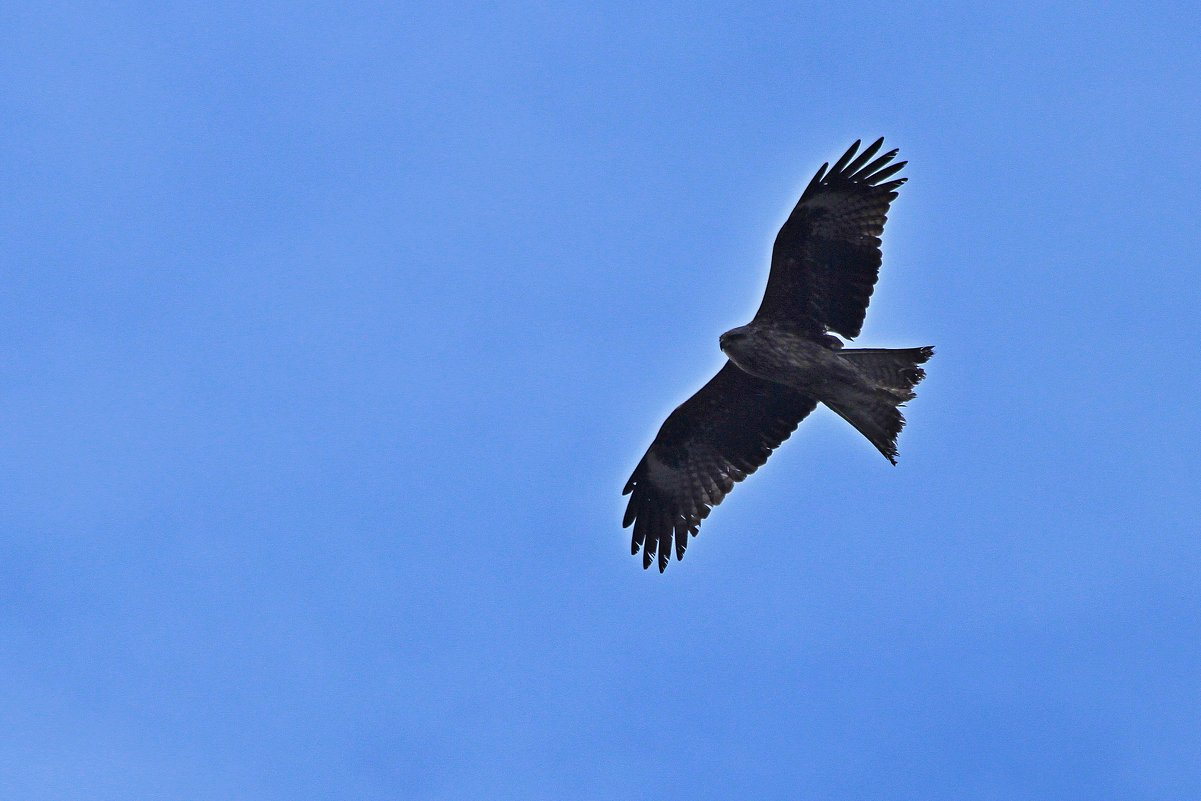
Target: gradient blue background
[330,332]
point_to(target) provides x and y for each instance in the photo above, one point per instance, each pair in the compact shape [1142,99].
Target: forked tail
[890,376]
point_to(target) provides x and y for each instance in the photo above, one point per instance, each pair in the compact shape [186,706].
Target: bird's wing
[826,257]
[717,437]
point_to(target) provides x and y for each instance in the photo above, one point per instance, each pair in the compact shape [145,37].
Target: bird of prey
[824,266]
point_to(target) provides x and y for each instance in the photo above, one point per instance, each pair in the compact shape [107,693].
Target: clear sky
[329,334]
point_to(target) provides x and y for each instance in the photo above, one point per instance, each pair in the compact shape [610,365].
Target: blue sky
[330,333]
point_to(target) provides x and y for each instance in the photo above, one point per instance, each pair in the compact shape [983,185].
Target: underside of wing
[714,439]
[826,257]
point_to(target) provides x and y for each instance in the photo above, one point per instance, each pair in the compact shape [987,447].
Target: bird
[824,265]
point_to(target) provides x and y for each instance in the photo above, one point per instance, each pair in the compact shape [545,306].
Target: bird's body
[810,364]
[850,381]
[784,362]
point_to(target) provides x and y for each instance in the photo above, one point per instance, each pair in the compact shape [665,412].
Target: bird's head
[732,338]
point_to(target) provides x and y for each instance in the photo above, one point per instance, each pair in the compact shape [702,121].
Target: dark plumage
[824,266]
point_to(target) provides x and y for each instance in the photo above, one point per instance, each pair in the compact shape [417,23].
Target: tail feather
[893,370]
[880,422]
[891,376]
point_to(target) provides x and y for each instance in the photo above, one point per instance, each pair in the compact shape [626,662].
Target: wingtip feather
[854,166]
[887,172]
[846,157]
[815,181]
[631,513]
[868,173]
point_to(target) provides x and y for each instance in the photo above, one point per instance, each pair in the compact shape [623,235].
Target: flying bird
[785,361]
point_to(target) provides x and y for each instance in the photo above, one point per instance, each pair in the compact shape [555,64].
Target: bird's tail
[891,376]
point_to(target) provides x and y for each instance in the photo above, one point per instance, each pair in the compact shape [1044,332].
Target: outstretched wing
[717,437]
[826,258]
